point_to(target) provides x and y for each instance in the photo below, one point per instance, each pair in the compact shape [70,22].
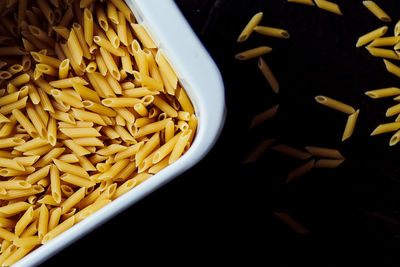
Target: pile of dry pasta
[89,109]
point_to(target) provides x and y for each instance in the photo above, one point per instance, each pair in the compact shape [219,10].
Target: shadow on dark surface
[221,211]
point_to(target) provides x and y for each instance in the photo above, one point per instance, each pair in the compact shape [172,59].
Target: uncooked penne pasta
[370,36]
[324,152]
[334,104]
[350,125]
[305,2]
[385,41]
[273,32]
[381,52]
[253,22]
[263,116]
[384,92]
[392,68]
[377,11]
[386,127]
[329,6]
[290,151]
[328,163]
[252,53]
[303,169]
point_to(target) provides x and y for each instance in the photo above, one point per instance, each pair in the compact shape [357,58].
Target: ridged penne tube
[111,149]
[17,255]
[273,32]
[370,36]
[20,80]
[110,63]
[292,152]
[55,62]
[63,69]
[381,52]
[392,68]
[55,183]
[88,116]
[38,175]
[91,67]
[350,125]
[263,116]
[165,149]
[98,108]
[166,70]
[10,98]
[328,163]
[11,142]
[29,241]
[62,31]
[329,6]
[68,223]
[393,110]
[4,234]
[148,147]
[303,169]
[81,38]
[69,168]
[130,151]
[289,220]
[107,45]
[12,51]
[101,17]
[121,29]
[8,163]
[75,47]
[88,141]
[86,93]
[15,184]
[180,146]
[88,26]
[74,199]
[386,127]
[252,53]
[247,31]
[14,194]
[377,11]
[80,132]
[43,221]
[66,98]
[46,10]
[324,152]
[149,82]
[123,7]
[384,92]
[112,13]
[41,35]
[12,209]
[25,123]
[165,107]
[143,36]
[114,170]
[151,128]
[385,41]
[268,74]
[67,83]
[334,104]
[36,121]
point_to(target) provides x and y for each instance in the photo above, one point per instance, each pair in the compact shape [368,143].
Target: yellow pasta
[263,116]
[329,6]
[303,169]
[247,31]
[377,11]
[75,47]
[386,127]
[381,52]
[350,125]
[143,36]
[334,104]
[268,74]
[273,32]
[392,68]
[252,53]
[88,26]
[384,92]
[368,37]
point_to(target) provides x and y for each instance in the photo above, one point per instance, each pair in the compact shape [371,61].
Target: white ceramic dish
[202,81]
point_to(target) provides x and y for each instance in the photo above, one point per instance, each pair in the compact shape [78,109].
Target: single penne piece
[121,29]
[147,81]
[62,31]
[38,175]
[370,36]
[334,104]
[98,108]
[397,29]
[11,163]
[273,32]
[393,110]
[88,26]
[76,148]
[385,41]
[107,45]
[69,168]
[143,36]
[68,223]
[350,125]
[66,83]
[324,152]
[55,62]
[304,2]
[110,63]
[86,93]
[148,147]
[247,31]
[252,53]
[180,146]
[292,152]
[392,68]
[87,116]
[166,69]
[381,52]
[384,92]
[329,6]
[386,127]
[114,170]
[25,123]
[80,132]
[63,70]
[43,221]
[377,11]
[165,149]
[151,128]
[268,74]
[88,141]
[23,222]
[66,98]
[263,116]
[81,38]
[75,47]
[165,107]
[328,163]
[303,169]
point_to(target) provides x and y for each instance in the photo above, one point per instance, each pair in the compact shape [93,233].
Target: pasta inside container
[96,116]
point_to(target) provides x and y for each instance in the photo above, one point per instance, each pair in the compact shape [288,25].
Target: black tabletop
[221,211]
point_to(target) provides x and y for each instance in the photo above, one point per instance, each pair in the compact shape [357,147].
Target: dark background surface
[221,211]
